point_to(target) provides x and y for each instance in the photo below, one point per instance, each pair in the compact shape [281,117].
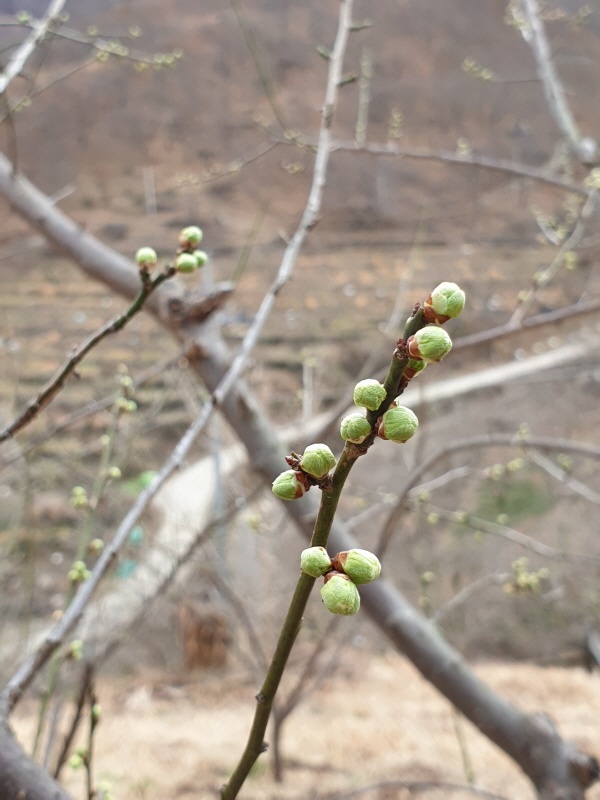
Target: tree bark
[558,771]
[20,777]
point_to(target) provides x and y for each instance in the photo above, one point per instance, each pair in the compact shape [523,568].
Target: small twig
[61,759]
[534,33]
[499,579]
[570,244]
[39,29]
[519,538]
[563,477]
[471,160]
[56,383]
[473,443]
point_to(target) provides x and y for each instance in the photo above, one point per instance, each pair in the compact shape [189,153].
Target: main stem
[329,502]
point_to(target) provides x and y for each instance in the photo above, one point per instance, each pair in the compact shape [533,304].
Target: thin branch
[473,443]
[289,631]
[470,160]
[39,29]
[534,33]
[499,579]
[56,383]
[519,538]
[570,244]
[564,478]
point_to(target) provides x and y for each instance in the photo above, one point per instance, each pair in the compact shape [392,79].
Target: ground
[378,721]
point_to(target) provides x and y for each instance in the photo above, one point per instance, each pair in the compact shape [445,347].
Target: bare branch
[534,33]
[39,29]
[469,159]
[570,244]
[56,383]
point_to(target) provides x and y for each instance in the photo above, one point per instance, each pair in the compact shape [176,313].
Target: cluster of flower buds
[342,574]
[189,258]
[312,467]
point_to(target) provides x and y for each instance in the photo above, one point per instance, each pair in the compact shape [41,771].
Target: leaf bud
[190,237]
[75,650]
[340,594]
[398,424]
[287,486]
[430,344]
[369,393]
[445,302]
[314,561]
[354,428]
[186,262]
[146,257]
[360,566]
[317,460]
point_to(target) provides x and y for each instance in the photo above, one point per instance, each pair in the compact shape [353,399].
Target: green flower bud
[190,237]
[430,344]
[360,566]
[96,546]
[75,761]
[186,262]
[317,460]
[354,428]
[96,713]
[75,651]
[340,594]
[146,257]
[398,424]
[369,394]
[114,473]
[287,486]
[201,257]
[446,301]
[314,561]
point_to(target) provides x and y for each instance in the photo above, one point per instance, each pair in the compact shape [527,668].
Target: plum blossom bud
[360,566]
[287,486]
[314,561]
[354,428]
[317,460]
[340,594]
[369,393]
[398,424]
[430,344]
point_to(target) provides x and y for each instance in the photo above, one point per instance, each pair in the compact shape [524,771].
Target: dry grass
[380,721]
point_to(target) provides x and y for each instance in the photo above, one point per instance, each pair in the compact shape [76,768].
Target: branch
[56,383]
[534,33]
[503,165]
[39,29]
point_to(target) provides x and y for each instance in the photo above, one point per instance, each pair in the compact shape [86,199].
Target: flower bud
[340,594]
[190,237]
[201,257]
[398,424]
[287,486]
[445,302]
[369,394]
[354,428]
[146,257]
[314,561]
[360,566]
[430,344]
[186,262]
[414,366]
[317,460]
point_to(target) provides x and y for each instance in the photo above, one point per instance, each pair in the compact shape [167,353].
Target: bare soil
[377,721]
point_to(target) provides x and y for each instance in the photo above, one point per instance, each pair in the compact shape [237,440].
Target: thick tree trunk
[20,777]
[558,771]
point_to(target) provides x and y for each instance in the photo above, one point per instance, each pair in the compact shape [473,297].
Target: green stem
[329,502]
